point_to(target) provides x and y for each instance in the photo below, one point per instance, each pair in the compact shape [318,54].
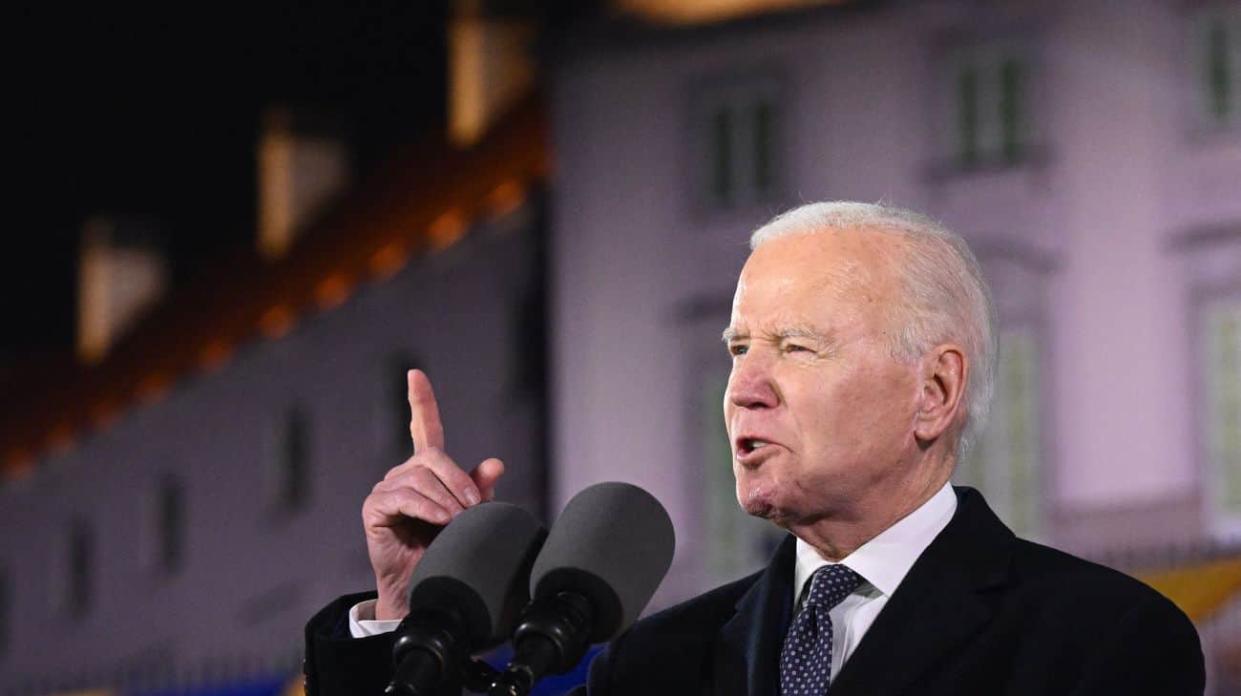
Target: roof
[425,198]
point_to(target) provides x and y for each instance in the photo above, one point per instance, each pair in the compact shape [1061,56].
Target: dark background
[153,113]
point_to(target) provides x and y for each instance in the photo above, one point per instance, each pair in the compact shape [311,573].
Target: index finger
[425,427]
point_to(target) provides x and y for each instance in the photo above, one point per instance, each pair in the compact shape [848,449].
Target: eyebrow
[795,331]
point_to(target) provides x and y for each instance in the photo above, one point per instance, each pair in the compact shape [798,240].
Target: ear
[943,376]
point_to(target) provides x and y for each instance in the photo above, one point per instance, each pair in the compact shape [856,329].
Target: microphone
[466,593]
[603,559]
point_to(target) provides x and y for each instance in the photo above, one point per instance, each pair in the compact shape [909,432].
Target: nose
[750,384]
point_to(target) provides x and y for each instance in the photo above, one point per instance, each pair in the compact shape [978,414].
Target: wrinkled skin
[854,438]
[415,500]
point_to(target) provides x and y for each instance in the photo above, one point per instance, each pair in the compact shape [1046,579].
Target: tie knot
[831,584]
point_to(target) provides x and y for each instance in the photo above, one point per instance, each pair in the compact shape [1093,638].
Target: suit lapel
[938,606]
[748,650]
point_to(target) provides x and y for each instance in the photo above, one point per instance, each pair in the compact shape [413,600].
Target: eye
[796,348]
[737,349]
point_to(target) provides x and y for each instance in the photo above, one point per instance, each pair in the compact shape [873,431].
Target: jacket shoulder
[1090,597]
[1131,638]
[679,637]
[1040,567]
[713,607]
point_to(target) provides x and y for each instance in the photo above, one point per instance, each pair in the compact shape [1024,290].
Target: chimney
[489,66]
[301,169]
[121,273]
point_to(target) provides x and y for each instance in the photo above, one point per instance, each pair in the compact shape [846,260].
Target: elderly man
[863,349]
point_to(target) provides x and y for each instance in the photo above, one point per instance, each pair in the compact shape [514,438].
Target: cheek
[885,408]
[859,413]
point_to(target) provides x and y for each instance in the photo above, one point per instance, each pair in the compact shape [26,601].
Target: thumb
[485,476]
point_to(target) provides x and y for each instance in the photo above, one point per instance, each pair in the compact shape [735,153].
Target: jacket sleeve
[599,675]
[1153,649]
[336,663]
[601,678]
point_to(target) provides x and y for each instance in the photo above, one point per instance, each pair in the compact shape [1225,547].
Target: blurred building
[1090,152]
[178,511]
[197,487]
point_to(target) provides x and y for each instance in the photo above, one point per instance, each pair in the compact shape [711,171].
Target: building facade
[1090,153]
[186,545]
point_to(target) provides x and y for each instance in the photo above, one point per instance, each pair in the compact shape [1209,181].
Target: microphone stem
[428,648]
[416,674]
[534,657]
[551,638]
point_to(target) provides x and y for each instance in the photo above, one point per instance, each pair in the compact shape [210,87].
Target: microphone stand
[428,648]
[552,637]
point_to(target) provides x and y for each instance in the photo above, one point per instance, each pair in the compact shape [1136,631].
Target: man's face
[819,415]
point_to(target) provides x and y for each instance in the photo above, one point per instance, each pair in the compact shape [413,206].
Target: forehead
[844,262]
[818,279]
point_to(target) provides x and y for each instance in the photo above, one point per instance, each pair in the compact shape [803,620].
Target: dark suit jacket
[980,612]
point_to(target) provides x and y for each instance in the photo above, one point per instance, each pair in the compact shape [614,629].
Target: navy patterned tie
[806,660]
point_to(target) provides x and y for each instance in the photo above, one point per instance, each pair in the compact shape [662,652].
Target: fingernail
[442,517]
[471,496]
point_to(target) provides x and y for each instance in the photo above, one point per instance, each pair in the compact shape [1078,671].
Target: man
[863,349]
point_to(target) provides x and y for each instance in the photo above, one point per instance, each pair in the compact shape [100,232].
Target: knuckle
[426,509]
[371,512]
[399,468]
[448,469]
[422,477]
[439,462]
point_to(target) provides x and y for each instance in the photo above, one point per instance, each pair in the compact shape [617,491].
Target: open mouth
[749,445]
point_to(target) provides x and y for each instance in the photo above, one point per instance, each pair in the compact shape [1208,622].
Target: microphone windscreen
[479,565]
[613,543]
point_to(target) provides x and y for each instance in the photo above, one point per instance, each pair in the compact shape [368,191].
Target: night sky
[154,113]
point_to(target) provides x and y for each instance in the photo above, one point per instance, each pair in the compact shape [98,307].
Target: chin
[760,503]
[756,508]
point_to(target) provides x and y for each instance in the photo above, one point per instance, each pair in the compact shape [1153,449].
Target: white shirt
[883,562]
[362,621]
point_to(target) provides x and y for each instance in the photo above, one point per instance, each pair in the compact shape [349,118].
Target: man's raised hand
[414,500]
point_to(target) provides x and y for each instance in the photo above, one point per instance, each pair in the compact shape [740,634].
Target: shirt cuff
[362,621]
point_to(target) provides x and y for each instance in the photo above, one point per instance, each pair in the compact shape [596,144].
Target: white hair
[945,295]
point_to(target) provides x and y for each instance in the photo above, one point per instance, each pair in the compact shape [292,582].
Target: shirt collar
[885,560]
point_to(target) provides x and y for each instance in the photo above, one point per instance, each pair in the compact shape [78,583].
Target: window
[80,566]
[990,105]
[1004,463]
[169,524]
[1217,64]
[6,611]
[738,136]
[1221,331]
[292,466]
